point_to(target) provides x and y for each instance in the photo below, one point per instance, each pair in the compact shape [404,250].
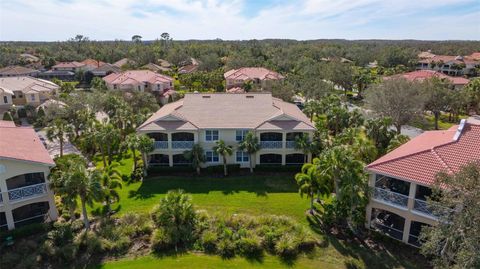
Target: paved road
[53,147]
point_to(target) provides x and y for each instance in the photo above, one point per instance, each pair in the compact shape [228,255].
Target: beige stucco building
[25,90]
[24,168]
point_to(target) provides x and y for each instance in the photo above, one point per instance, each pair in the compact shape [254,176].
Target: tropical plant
[196,155]
[223,150]
[132,142]
[250,145]
[307,181]
[176,217]
[111,181]
[107,139]
[437,92]
[145,146]
[303,144]
[59,129]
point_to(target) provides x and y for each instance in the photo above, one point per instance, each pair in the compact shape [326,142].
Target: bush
[158,169]
[226,248]
[250,246]
[89,243]
[208,241]
[287,247]
[277,168]
[217,169]
[25,231]
[7,116]
[134,225]
[161,240]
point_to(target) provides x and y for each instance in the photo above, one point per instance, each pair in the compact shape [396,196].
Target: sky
[58,20]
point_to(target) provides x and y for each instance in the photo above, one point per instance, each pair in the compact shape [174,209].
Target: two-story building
[401,180]
[207,118]
[260,77]
[449,65]
[25,196]
[421,75]
[161,86]
[22,91]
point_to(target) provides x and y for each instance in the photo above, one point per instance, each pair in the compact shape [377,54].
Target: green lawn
[256,195]
[428,122]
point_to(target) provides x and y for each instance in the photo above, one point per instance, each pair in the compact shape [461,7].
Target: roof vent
[206,96]
[250,96]
[459,130]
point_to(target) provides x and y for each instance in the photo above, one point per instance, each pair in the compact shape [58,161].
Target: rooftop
[136,77]
[247,111]
[23,144]
[16,70]
[420,75]
[68,65]
[27,84]
[420,159]
[246,73]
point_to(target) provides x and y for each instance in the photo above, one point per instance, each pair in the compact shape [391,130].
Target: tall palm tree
[250,145]
[196,155]
[302,143]
[145,146]
[132,141]
[107,138]
[224,150]
[111,181]
[307,181]
[59,129]
[76,181]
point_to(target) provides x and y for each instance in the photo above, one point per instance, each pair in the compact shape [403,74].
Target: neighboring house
[58,74]
[17,71]
[71,67]
[104,70]
[26,90]
[164,63]
[189,66]
[141,80]
[124,62]
[25,196]
[258,76]
[5,98]
[207,118]
[420,75]
[449,65]
[402,179]
[29,58]
[92,63]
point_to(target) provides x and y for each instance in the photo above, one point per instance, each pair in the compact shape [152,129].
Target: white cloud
[208,19]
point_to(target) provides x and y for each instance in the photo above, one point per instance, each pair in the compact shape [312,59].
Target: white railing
[290,144]
[30,218]
[271,144]
[182,144]
[390,197]
[27,192]
[390,231]
[431,209]
[161,144]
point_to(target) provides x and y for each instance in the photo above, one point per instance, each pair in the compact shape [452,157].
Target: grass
[255,195]
[428,122]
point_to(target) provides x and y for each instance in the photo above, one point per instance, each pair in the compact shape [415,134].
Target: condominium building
[207,118]
[402,179]
[25,196]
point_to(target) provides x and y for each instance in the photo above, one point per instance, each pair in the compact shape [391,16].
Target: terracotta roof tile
[420,75]
[245,73]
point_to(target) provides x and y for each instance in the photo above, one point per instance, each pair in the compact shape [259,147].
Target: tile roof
[475,56]
[426,74]
[27,84]
[248,111]
[136,77]
[22,143]
[93,63]
[246,73]
[68,65]
[123,62]
[17,70]
[7,123]
[236,90]
[449,59]
[420,159]
[106,68]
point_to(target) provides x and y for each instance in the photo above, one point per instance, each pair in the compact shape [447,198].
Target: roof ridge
[435,153]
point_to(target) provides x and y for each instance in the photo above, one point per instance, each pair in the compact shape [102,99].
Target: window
[211,157]
[5,100]
[240,135]
[32,97]
[211,135]
[242,157]
[139,88]
[114,86]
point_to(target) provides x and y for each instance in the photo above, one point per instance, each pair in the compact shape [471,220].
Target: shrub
[7,116]
[134,225]
[25,231]
[250,246]
[287,246]
[226,248]
[89,243]
[277,168]
[161,240]
[209,241]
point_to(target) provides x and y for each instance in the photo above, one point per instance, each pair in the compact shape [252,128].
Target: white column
[406,229]
[169,139]
[284,158]
[53,213]
[411,195]
[170,159]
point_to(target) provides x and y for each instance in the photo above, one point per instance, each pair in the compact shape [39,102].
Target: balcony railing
[161,144]
[390,197]
[27,192]
[388,230]
[431,209]
[182,144]
[271,144]
[290,144]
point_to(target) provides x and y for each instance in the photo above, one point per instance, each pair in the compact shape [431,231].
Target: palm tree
[196,155]
[107,138]
[311,108]
[308,182]
[76,181]
[250,145]
[58,129]
[302,143]
[111,180]
[222,149]
[133,142]
[145,146]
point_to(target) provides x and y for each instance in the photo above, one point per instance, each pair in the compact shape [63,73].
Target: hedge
[187,168]
[277,168]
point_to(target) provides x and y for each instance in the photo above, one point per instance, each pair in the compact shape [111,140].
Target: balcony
[290,144]
[27,192]
[390,197]
[431,209]
[182,144]
[271,144]
[161,144]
